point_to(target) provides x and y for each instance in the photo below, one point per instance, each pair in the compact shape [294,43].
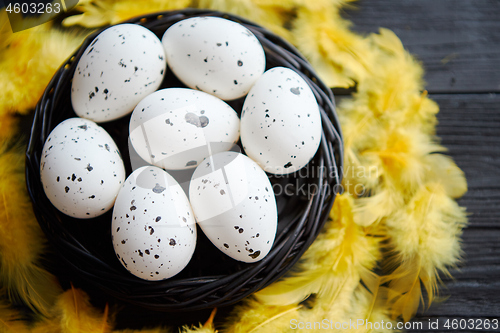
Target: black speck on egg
[254,255]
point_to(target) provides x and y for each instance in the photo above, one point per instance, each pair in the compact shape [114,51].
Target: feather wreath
[397,215]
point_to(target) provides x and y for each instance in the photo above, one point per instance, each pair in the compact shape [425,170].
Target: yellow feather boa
[409,225]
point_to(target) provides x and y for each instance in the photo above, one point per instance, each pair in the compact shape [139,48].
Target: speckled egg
[122,65]
[81,168]
[234,205]
[153,227]
[215,55]
[281,122]
[176,128]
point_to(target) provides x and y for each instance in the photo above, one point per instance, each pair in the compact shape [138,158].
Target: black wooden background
[458,42]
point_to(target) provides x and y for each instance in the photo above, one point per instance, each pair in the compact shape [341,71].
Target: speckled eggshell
[281,122]
[234,205]
[81,168]
[215,55]
[153,226]
[176,128]
[122,65]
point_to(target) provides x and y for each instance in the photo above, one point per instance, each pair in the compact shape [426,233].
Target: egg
[176,128]
[215,55]
[81,168]
[122,65]
[153,226]
[234,204]
[281,122]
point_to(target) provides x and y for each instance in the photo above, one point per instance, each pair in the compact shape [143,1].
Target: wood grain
[458,41]
[469,126]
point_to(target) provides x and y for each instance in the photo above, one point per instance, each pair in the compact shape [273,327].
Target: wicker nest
[84,248]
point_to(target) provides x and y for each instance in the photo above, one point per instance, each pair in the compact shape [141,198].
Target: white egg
[123,64]
[153,228]
[281,122]
[215,55]
[177,128]
[81,168]
[234,205]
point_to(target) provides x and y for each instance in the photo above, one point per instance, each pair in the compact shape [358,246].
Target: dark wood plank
[457,41]
[469,126]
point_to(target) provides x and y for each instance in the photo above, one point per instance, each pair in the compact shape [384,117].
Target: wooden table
[458,42]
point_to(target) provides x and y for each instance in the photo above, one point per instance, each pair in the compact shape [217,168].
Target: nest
[83,248]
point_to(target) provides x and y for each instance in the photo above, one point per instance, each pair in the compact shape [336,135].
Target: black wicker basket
[84,247]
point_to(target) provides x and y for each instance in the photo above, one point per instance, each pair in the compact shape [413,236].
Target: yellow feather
[369,305]
[421,111]
[375,208]
[29,60]
[198,329]
[339,56]
[320,5]
[256,317]
[5,29]
[96,13]
[269,14]
[399,158]
[344,250]
[10,320]
[405,292]
[401,155]
[145,330]
[208,327]
[389,96]
[425,238]
[335,307]
[8,127]
[21,239]
[441,169]
[73,313]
